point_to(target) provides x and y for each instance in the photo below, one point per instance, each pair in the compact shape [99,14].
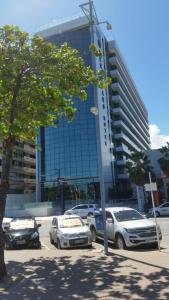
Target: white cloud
[156,138]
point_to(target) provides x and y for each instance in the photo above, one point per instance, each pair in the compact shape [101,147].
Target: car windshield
[18,224]
[127,215]
[71,222]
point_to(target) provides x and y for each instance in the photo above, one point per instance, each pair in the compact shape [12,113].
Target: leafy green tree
[164,160]
[138,169]
[37,84]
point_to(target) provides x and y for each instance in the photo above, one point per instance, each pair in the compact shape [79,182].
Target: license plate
[21,242]
[79,241]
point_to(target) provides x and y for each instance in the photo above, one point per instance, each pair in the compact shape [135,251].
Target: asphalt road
[44,233]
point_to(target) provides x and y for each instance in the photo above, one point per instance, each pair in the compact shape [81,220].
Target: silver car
[82,210]
[162,210]
[69,231]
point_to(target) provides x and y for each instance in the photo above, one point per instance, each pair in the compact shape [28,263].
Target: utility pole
[90,13]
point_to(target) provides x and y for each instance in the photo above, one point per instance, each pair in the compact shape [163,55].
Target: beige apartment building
[23,172]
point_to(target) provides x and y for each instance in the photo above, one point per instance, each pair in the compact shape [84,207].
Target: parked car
[126,227]
[162,210]
[69,231]
[82,210]
[22,232]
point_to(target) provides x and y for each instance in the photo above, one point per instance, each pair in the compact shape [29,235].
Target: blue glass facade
[70,150]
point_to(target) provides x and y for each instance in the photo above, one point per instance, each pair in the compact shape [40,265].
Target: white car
[127,228]
[69,231]
[82,210]
[162,210]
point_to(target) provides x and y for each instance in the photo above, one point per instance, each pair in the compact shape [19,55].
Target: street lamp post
[90,13]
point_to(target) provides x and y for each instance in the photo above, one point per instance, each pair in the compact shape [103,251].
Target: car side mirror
[39,225]
[6,227]
[110,221]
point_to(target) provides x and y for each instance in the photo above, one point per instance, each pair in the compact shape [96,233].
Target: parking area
[87,273]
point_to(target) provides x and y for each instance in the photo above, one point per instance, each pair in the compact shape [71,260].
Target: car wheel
[58,244]
[120,243]
[94,234]
[90,214]
[38,246]
[157,214]
[51,240]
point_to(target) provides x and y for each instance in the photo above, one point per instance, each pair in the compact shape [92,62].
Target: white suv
[82,210]
[126,227]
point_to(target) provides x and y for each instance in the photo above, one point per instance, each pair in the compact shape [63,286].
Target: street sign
[150,187]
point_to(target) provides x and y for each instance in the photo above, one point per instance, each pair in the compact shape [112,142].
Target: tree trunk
[139,199]
[7,151]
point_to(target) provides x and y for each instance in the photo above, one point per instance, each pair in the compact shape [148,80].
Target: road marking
[46,247]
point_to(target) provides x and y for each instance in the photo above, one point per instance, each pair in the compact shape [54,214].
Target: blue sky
[141,29]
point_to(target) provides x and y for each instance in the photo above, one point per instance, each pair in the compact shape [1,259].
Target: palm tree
[138,169]
[164,160]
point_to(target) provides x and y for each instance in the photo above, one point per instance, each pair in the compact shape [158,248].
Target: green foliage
[138,167]
[164,160]
[94,50]
[38,82]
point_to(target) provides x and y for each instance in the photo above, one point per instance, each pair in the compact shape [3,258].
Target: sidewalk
[88,274]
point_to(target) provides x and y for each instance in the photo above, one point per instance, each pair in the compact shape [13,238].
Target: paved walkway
[82,274]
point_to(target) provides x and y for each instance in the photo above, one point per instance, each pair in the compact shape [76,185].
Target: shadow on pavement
[86,277]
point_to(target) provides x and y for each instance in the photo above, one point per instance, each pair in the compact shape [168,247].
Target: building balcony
[122,136]
[139,116]
[133,117]
[123,148]
[29,149]
[114,73]
[30,160]
[113,60]
[29,170]
[131,130]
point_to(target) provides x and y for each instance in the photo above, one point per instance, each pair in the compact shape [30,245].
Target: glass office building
[70,150]
[91,148]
